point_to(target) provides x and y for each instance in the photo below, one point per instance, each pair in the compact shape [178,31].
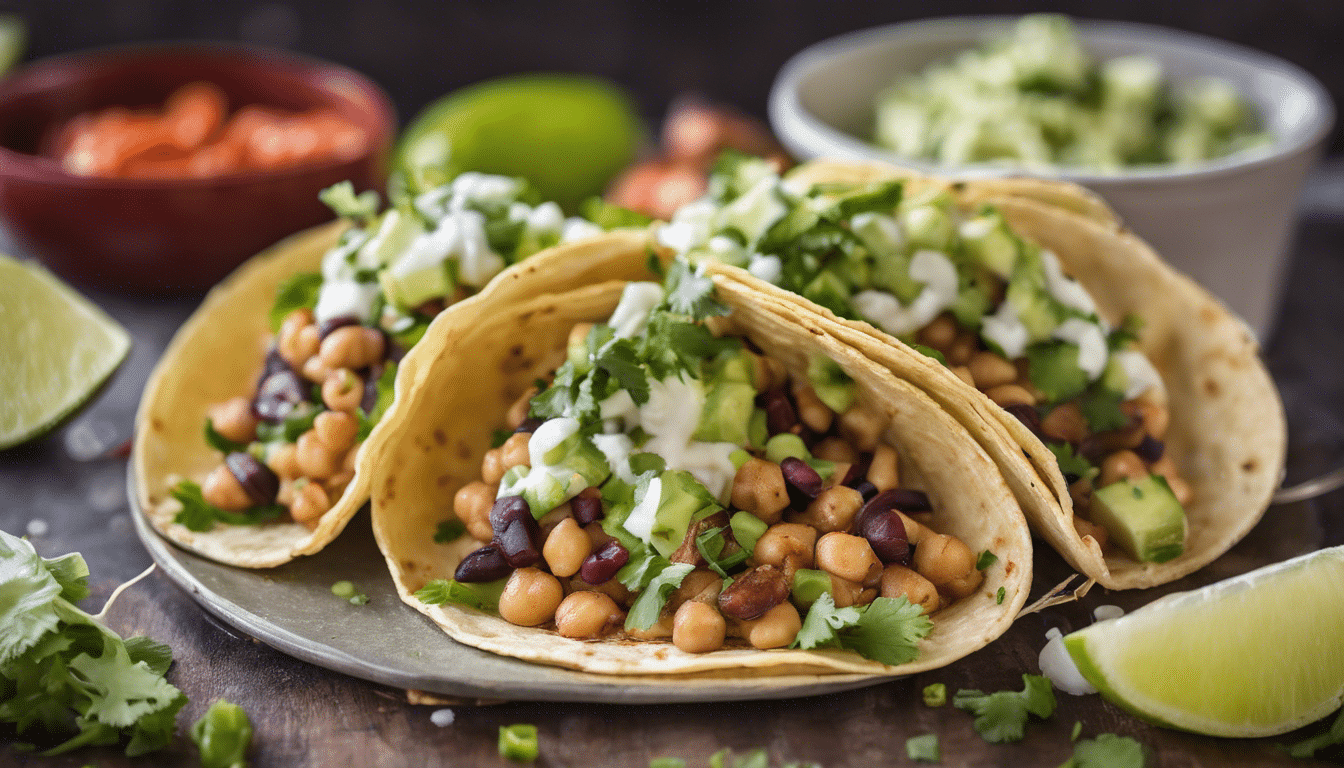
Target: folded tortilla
[1228,433]
[477,360]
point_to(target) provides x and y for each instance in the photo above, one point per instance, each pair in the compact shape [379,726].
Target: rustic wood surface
[308,716]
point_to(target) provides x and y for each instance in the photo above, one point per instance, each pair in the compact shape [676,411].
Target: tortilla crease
[1228,433]
[477,360]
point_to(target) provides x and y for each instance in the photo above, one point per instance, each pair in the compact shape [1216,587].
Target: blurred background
[726,51]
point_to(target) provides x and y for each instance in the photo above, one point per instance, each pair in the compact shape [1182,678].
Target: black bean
[256,478]
[1028,416]
[274,364]
[802,481]
[325,327]
[485,564]
[587,506]
[779,413]
[754,592]
[885,531]
[1150,449]
[530,424]
[519,543]
[278,395]
[508,509]
[866,489]
[603,564]
[370,399]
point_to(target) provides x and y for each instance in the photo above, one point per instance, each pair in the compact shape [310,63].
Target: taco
[579,470]
[249,428]
[1126,407]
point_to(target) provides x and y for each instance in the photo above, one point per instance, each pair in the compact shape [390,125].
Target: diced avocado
[892,274]
[784,445]
[927,226]
[415,288]
[618,500]
[646,462]
[726,414]
[541,490]
[739,457]
[747,529]
[972,302]
[731,365]
[1113,377]
[1054,370]
[393,235]
[989,243]
[879,234]
[808,585]
[579,353]
[754,212]
[758,429]
[833,386]
[682,497]
[1143,518]
[1037,311]
[830,291]
[578,454]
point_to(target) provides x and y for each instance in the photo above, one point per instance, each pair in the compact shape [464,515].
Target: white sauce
[727,250]
[691,226]
[577,229]
[1140,374]
[1005,329]
[1092,352]
[547,437]
[670,417]
[632,312]
[755,211]
[1065,289]
[768,268]
[940,290]
[617,448]
[641,518]
[618,406]
[546,218]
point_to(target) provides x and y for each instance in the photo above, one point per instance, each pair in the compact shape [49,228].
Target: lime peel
[1254,655]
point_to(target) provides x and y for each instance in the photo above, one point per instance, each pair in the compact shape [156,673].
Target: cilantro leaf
[296,292]
[222,735]
[1002,716]
[611,216]
[1070,462]
[710,543]
[200,515]
[342,200]
[690,293]
[1101,408]
[823,621]
[386,389]
[219,442]
[887,630]
[448,530]
[671,344]
[985,560]
[649,605]
[27,592]
[923,748]
[1307,747]
[1107,751]
[1054,370]
[617,358]
[483,595]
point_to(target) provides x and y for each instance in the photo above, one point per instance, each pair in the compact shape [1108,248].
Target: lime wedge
[13,39]
[1255,655]
[56,350]
[567,134]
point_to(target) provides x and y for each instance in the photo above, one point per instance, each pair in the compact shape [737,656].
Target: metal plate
[291,608]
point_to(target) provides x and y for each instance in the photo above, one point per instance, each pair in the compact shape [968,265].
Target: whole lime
[567,134]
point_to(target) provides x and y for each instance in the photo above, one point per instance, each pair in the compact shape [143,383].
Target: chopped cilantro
[667,762]
[985,560]
[654,263]
[1307,747]
[649,605]
[348,591]
[1077,729]
[482,595]
[518,742]
[724,758]
[887,630]
[200,515]
[1107,751]
[1054,370]
[296,292]
[710,544]
[1002,716]
[222,735]
[923,748]
[499,437]
[219,442]
[342,200]
[690,293]
[448,530]
[930,352]
[1070,462]
[611,216]
[998,596]
[935,695]
[1101,408]
[300,420]
[386,388]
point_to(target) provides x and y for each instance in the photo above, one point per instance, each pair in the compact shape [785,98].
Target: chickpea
[767,373]
[233,420]
[964,373]
[964,585]
[344,348]
[811,410]
[788,546]
[566,548]
[1156,417]
[315,458]
[1180,488]
[991,370]
[518,411]
[315,370]
[310,503]
[939,334]
[287,339]
[699,586]
[1086,527]
[612,588]
[1010,394]
[530,597]
[1066,422]
[775,629]
[472,504]
[285,496]
[836,449]
[283,461]
[659,630]
[699,628]
[336,484]
[884,472]
[351,458]
[513,452]
[758,488]
[962,348]
[342,390]
[1121,465]
[223,490]
[849,557]
[899,581]
[585,614]
[845,592]
[336,429]
[551,519]
[833,509]
[862,427]
[492,466]
[915,531]
[941,559]
[1080,493]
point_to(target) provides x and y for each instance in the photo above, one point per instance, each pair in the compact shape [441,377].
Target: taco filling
[671,483]
[999,311]
[289,447]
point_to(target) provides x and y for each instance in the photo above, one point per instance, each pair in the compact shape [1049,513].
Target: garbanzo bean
[315,370]
[472,504]
[336,429]
[1156,417]
[223,490]
[518,411]
[583,615]
[1086,527]
[939,334]
[315,458]
[899,581]
[849,557]
[811,410]
[1121,465]
[233,420]
[287,339]
[775,629]
[758,488]
[283,461]
[310,503]
[862,427]
[566,548]
[845,592]
[788,546]
[513,452]
[884,471]
[941,558]
[530,597]
[335,485]
[915,531]
[659,630]
[991,370]
[344,348]
[767,373]
[963,347]
[342,390]
[836,449]
[1010,394]
[833,509]
[964,373]
[699,628]
[964,585]
[492,466]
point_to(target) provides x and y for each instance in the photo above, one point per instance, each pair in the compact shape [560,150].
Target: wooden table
[308,716]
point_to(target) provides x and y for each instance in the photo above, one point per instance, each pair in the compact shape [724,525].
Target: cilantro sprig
[200,515]
[886,630]
[1002,716]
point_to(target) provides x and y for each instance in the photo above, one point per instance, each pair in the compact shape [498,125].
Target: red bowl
[171,235]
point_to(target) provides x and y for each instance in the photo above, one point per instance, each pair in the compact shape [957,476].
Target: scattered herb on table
[518,742]
[348,591]
[1002,716]
[923,748]
[222,735]
[1107,751]
[935,695]
[1307,747]
[985,560]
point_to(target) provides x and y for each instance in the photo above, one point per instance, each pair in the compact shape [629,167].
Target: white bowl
[1227,223]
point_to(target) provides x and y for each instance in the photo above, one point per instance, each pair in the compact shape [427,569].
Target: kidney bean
[332,323]
[1028,416]
[278,395]
[866,489]
[507,509]
[802,482]
[603,564]
[587,506]
[1150,449]
[779,413]
[485,564]
[370,400]
[519,543]
[885,532]
[754,592]
[858,471]
[256,478]
[275,362]
[530,424]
